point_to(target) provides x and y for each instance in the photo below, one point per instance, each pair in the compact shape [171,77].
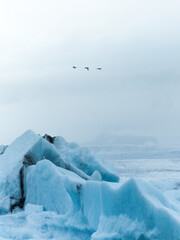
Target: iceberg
[27,150]
[52,189]
[133,210]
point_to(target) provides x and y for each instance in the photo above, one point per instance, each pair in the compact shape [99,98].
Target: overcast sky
[137,44]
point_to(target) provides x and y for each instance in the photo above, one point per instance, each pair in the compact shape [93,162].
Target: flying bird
[99,68]
[87,68]
[74,67]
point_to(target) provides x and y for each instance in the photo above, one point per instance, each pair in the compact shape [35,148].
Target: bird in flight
[99,68]
[74,67]
[87,68]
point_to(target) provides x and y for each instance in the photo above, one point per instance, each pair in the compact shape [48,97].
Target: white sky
[136,42]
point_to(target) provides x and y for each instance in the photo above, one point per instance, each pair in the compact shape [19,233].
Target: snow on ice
[51,189]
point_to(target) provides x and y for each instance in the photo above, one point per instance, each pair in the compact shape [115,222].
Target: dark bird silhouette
[74,67]
[99,68]
[87,68]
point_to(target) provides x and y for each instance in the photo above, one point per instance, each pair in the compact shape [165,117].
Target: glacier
[52,189]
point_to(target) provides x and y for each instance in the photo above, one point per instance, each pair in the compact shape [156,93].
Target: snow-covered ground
[51,189]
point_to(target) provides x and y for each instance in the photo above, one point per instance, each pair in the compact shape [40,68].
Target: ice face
[51,187]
